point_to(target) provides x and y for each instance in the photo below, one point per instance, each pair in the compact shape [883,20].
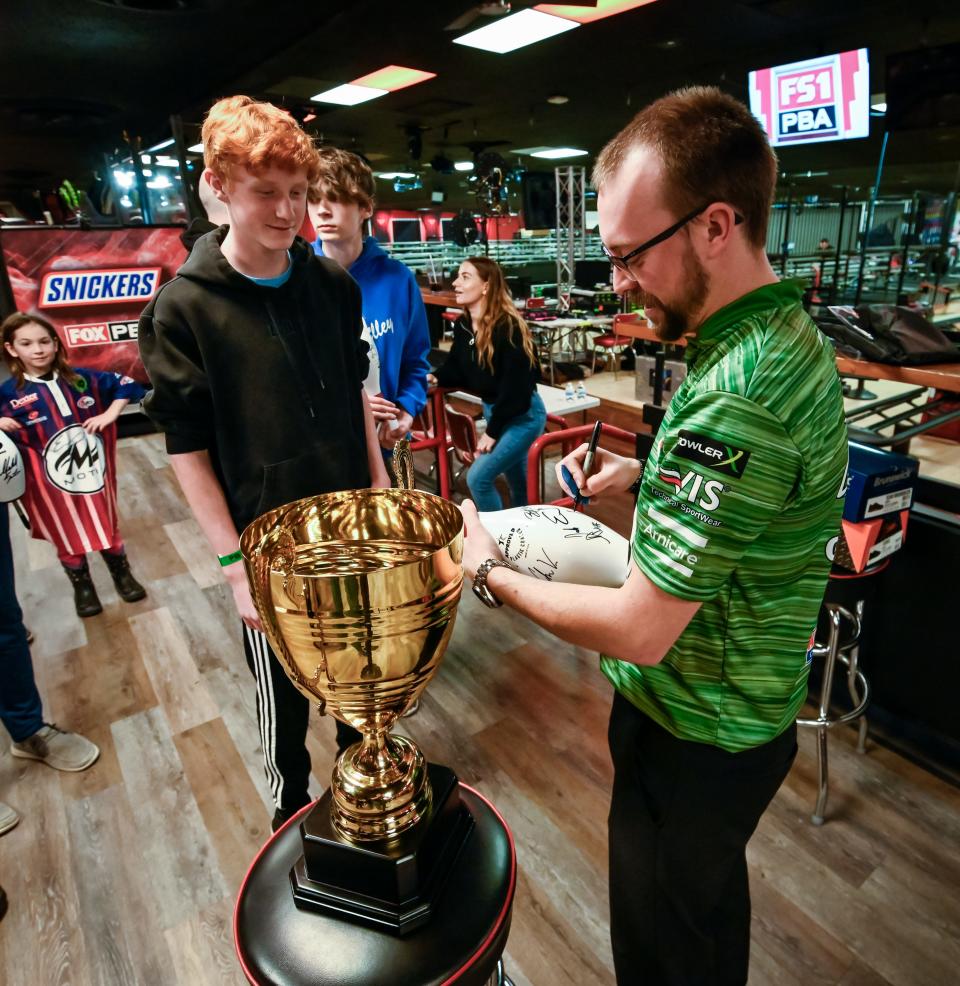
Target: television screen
[406,230]
[923,88]
[819,99]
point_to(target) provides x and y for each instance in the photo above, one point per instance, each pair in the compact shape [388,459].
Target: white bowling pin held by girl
[557,544]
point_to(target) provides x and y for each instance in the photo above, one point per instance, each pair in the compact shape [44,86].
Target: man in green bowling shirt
[707,643]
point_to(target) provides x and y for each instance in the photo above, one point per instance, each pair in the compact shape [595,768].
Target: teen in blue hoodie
[339,203]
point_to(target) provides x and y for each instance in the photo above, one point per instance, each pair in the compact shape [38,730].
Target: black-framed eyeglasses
[623,263]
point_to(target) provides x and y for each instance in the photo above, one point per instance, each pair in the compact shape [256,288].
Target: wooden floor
[127,873]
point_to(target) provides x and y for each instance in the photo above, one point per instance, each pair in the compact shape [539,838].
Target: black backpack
[887,334]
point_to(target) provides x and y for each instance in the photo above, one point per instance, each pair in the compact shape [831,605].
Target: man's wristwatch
[480,589]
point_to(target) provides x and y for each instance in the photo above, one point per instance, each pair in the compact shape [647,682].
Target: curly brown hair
[7,332]
[343,176]
[713,149]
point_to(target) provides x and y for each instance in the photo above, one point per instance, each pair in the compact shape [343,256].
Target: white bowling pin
[559,545]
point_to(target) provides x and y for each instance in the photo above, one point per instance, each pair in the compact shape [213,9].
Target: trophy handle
[403,465]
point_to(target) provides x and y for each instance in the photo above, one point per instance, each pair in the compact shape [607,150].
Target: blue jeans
[20,709]
[509,457]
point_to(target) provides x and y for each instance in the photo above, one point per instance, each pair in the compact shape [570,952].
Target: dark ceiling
[74,76]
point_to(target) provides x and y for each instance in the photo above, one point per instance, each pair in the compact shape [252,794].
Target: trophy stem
[380,788]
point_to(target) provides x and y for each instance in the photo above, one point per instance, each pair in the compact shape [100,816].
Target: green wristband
[230,559]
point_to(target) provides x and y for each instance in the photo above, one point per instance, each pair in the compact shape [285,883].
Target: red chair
[451,319]
[462,435]
[610,343]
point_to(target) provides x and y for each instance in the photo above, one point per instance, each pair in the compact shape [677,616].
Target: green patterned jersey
[739,497]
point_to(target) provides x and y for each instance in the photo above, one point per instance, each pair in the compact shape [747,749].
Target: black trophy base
[390,885]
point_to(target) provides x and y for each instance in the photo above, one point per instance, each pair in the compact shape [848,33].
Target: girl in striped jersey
[64,420]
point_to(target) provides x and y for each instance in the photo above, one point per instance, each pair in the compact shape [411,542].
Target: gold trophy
[358,593]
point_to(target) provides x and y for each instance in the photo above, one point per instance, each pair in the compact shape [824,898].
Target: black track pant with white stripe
[282,714]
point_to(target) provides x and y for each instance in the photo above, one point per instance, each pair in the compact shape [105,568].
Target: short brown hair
[713,149]
[343,175]
[240,131]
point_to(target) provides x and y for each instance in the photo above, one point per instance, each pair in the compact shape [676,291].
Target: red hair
[240,131]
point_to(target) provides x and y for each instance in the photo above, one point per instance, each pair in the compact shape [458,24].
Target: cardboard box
[880,483]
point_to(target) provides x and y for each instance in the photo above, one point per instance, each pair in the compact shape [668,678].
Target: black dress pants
[680,819]
[282,714]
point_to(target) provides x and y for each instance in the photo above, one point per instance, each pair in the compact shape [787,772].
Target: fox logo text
[74,461]
[692,488]
[62,289]
[100,333]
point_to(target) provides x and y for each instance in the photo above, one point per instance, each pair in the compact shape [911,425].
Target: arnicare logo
[711,452]
[62,289]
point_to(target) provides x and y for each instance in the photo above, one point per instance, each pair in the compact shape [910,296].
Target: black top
[268,380]
[508,387]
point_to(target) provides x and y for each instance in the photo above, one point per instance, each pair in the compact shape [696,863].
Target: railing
[446,255]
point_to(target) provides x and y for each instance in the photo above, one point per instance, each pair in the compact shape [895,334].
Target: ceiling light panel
[348,95]
[586,15]
[516,31]
[553,153]
[393,77]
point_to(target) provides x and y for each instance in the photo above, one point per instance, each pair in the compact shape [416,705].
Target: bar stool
[842,645]
[842,614]
[462,944]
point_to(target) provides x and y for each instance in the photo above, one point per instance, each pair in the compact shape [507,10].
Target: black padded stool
[281,945]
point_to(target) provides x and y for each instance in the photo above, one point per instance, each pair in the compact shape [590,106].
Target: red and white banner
[92,285]
[825,98]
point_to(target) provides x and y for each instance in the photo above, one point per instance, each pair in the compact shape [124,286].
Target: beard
[676,318]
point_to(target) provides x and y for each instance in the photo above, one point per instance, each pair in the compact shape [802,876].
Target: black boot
[129,588]
[84,594]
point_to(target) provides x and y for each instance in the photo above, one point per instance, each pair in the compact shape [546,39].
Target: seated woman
[494,357]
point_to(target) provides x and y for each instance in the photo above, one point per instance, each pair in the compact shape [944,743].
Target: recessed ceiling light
[558,100]
[516,31]
[597,12]
[391,175]
[348,95]
[195,149]
[393,77]
[552,153]
[878,107]
[463,165]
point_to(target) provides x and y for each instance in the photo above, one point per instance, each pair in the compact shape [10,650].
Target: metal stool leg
[499,977]
[855,697]
[822,769]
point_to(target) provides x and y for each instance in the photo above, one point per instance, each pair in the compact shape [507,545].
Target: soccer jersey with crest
[739,497]
[71,489]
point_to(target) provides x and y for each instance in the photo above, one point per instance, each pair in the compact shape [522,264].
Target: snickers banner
[92,285]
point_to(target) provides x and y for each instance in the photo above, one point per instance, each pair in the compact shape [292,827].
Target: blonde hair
[240,131]
[499,308]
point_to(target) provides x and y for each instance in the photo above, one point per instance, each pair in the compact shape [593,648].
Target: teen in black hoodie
[256,361]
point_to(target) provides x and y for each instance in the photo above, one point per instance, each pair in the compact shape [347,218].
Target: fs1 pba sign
[826,98]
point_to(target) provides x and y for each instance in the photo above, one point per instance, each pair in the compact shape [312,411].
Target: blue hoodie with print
[393,312]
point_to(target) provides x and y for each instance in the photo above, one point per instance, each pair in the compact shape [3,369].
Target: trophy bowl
[358,592]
